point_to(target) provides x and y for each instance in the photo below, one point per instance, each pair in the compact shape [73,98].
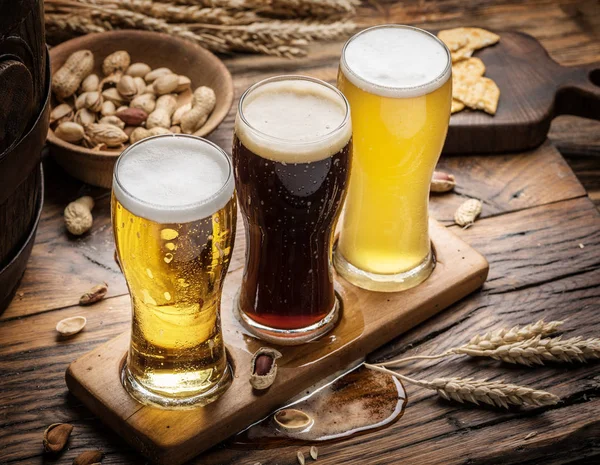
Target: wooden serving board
[369,320]
[533,90]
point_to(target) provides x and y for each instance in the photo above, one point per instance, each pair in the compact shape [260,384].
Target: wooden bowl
[157,50]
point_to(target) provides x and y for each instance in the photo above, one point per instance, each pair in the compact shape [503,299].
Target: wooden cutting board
[369,320]
[533,90]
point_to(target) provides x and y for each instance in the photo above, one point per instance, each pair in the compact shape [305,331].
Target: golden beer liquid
[397,143]
[175,275]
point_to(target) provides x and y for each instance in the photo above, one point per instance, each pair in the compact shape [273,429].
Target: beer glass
[174,217]
[291,156]
[398,82]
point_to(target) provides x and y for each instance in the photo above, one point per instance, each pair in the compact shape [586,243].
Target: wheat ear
[490,341]
[494,393]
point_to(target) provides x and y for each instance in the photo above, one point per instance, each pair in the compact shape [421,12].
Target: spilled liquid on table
[356,402]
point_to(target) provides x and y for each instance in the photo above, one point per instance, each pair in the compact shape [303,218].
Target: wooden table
[539,231]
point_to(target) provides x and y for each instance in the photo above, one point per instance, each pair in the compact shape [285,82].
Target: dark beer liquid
[290,211]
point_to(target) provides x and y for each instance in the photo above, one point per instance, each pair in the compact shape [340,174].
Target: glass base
[288,337]
[384,282]
[148,397]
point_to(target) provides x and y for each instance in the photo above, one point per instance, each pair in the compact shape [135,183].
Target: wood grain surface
[537,270]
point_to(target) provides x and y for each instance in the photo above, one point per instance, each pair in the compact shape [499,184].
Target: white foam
[293,120]
[396,61]
[173,179]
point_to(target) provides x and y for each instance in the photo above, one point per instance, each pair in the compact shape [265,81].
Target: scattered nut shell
[70,132]
[89,457]
[442,182]
[300,457]
[71,326]
[290,419]
[467,213]
[264,367]
[95,294]
[314,452]
[138,70]
[56,437]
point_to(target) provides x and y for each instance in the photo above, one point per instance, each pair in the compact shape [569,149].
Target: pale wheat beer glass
[398,82]
[174,216]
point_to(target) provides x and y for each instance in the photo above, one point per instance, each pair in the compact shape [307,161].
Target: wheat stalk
[496,393]
[538,350]
[490,341]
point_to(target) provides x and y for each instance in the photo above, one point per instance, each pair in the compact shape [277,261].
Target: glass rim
[293,77]
[398,26]
[187,206]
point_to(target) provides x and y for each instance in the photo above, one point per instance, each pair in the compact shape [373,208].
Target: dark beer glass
[291,155]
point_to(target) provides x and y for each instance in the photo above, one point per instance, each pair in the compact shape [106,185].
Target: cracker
[479,38]
[477,93]
[461,54]
[469,67]
[453,38]
[456,106]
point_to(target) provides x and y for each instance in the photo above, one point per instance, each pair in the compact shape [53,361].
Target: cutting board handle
[579,91]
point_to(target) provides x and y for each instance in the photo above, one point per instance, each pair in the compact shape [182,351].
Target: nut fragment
[290,419]
[70,132]
[89,457]
[300,457]
[56,437]
[442,182]
[71,326]
[264,367]
[467,213]
[314,452]
[95,294]
[116,62]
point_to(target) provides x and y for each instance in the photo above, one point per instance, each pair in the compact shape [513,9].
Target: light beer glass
[398,82]
[174,217]
[291,155]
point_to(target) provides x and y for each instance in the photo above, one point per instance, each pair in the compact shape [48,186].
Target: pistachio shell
[71,326]
[290,419]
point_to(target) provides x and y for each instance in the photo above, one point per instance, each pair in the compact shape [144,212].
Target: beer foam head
[396,61]
[293,120]
[173,179]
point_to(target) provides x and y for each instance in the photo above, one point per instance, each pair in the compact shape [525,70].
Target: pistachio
[290,419]
[264,367]
[155,74]
[85,117]
[80,101]
[114,120]
[61,113]
[140,85]
[108,108]
[94,295]
[138,70]
[110,81]
[166,84]
[146,102]
[183,83]
[93,101]
[442,182]
[56,437]
[108,134]
[90,83]
[70,326]
[127,87]
[113,95]
[70,132]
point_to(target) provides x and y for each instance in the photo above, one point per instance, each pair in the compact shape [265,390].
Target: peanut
[90,83]
[138,70]
[70,132]
[146,102]
[175,129]
[116,62]
[68,78]
[141,133]
[155,74]
[183,109]
[203,103]
[132,116]
[78,215]
[165,84]
[161,116]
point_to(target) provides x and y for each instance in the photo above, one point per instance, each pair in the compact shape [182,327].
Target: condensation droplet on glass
[170,246]
[149,273]
[168,257]
[168,234]
[167,295]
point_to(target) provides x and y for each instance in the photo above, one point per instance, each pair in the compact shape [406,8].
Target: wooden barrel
[24,110]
